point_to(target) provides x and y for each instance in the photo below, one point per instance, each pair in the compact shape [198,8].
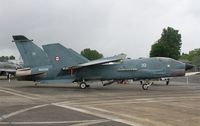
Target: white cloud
[110,26]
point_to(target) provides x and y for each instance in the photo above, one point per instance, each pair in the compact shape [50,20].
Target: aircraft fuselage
[137,69]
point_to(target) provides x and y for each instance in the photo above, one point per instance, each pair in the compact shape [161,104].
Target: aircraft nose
[188,66]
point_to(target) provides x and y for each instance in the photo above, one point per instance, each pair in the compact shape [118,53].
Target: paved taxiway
[22,103]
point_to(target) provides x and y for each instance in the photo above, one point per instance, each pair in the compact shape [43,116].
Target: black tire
[8,76]
[141,82]
[145,87]
[82,85]
[167,82]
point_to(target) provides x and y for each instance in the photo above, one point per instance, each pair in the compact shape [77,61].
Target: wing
[98,62]
[8,70]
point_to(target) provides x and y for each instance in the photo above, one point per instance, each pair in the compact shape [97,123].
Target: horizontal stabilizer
[28,72]
[98,62]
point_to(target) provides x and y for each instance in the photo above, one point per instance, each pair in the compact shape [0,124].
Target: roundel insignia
[57,58]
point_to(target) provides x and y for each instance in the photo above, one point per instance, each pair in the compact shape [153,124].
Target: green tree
[193,56]
[169,45]
[12,58]
[4,58]
[91,54]
[196,61]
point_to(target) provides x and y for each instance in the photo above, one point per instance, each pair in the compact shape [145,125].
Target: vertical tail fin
[61,56]
[31,54]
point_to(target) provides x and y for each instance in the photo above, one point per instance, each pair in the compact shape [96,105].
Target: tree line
[6,58]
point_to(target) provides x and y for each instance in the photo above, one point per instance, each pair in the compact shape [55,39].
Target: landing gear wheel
[87,85]
[82,85]
[8,76]
[167,82]
[145,86]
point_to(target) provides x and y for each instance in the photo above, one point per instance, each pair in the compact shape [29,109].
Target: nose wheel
[167,82]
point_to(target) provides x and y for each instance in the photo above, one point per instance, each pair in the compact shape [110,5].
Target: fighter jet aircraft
[57,64]
[7,69]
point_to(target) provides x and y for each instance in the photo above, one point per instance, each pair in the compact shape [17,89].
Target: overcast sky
[109,26]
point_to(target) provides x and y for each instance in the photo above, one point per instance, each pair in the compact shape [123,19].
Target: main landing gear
[167,82]
[36,83]
[8,76]
[146,85]
[165,79]
[83,85]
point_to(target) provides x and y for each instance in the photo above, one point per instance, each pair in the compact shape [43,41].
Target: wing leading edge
[98,62]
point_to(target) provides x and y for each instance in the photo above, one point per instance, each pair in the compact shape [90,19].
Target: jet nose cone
[188,66]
